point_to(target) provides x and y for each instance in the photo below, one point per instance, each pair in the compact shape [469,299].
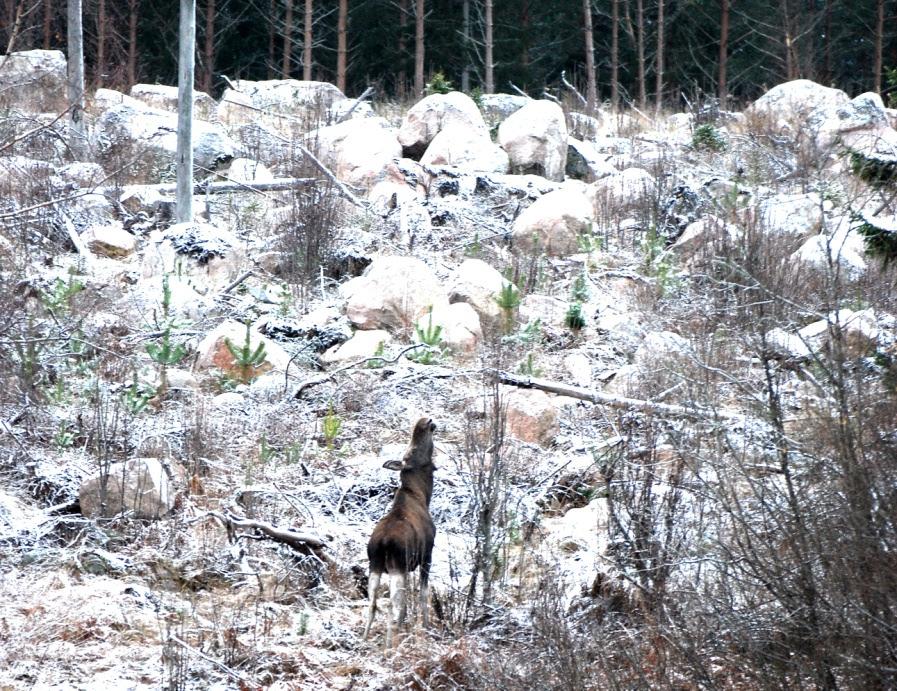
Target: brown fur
[403,539]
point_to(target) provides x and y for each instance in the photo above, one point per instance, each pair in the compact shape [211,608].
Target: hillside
[659,353]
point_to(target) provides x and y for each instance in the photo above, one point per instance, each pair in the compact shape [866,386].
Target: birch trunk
[186,59]
[75,36]
[591,79]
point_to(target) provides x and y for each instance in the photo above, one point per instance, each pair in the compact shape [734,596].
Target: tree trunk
[101,42]
[419,48]
[591,78]
[828,43]
[48,24]
[615,55]
[287,41]
[402,76]
[489,87]
[879,41]
[307,38]
[272,38]
[75,37]
[133,8]
[465,38]
[658,61]
[186,58]
[341,51]
[209,48]
[640,52]
[721,85]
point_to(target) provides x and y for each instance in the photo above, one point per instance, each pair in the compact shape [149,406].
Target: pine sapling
[247,359]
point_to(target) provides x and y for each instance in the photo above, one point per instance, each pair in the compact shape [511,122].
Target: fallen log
[223,187]
[602,398]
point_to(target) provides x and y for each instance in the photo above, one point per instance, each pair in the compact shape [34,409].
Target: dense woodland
[643,51]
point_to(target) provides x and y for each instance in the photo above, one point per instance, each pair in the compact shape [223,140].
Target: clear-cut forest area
[626,268]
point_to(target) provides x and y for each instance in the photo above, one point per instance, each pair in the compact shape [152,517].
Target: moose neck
[419,480]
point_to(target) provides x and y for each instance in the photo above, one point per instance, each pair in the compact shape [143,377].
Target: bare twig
[572,88]
[314,381]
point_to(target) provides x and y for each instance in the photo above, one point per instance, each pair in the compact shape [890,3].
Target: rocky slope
[166,383]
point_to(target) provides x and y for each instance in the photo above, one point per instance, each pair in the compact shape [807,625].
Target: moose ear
[394,465]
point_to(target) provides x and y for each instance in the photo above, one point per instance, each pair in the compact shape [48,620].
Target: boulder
[498,107]
[579,368]
[799,106]
[535,138]
[259,142]
[213,352]
[843,247]
[248,170]
[461,330]
[131,130]
[139,486]
[478,284]
[358,151]
[793,217]
[623,191]
[432,114]
[584,162]
[164,97]
[554,222]
[700,234]
[465,147]
[362,344]
[33,81]
[531,416]
[290,95]
[110,240]
[393,294]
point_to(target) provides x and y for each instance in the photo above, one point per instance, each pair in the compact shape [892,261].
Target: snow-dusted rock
[465,147]
[461,330]
[792,216]
[535,138]
[622,191]
[799,106]
[285,105]
[33,81]
[164,97]
[478,284]
[362,344]
[140,486]
[349,108]
[584,162]
[547,309]
[436,112]
[580,530]
[658,351]
[110,240]
[290,95]
[700,234]
[393,294]
[531,416]
[842,247]
[583,127]
[357,151]
[214,353]
[553,223]
[133,130]
[248,170]
[23,168]
[498,107]
[259,142]
[579,368]
[82,174]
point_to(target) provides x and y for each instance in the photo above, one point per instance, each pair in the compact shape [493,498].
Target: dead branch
[367,93]
[607,399]
[572,88]
[314,381]
[303,543]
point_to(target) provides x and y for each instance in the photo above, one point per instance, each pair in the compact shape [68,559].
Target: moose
[403,539]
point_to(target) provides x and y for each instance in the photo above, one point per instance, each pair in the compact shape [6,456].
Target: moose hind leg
[397,607]
[373,585]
